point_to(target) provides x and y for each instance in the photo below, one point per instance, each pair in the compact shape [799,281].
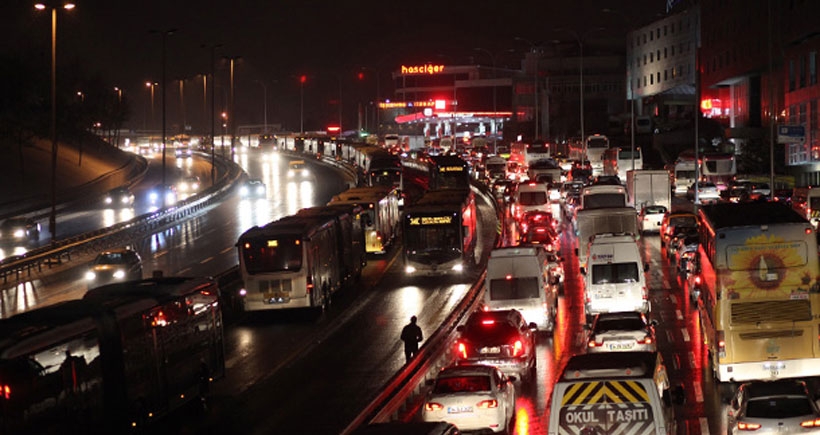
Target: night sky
[329,41]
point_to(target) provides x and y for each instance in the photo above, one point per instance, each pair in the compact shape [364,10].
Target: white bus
[684,175]
[617,161]
[381,214]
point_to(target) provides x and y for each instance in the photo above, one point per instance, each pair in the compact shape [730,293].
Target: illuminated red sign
[403,104]
[422,69]
[333,129]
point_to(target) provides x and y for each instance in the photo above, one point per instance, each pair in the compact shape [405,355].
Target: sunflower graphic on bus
[768,266]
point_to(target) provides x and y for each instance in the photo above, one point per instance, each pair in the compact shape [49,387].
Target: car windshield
[462,384]
[655,210]
[532,198]
[110,258]
[778,407]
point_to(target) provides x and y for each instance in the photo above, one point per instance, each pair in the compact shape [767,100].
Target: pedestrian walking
[411,336]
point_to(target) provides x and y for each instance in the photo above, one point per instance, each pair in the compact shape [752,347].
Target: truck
[589,222]
[649,187]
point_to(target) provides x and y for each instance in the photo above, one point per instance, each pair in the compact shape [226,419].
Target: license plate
[490,350]
[621,346]
[459,409]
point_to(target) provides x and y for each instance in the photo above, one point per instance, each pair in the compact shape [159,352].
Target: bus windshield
[385,177]
[432,238]
[272,255]
[598,143]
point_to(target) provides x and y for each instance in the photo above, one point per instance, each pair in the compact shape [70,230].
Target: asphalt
[82,172]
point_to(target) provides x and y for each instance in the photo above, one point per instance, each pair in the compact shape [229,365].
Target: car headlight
[19,233]
[410,270]
[305,172]
[458,267]
[260,190]
[290,172]
[153,196]
[243,190]
[108,200]
[119,274]
[90,276]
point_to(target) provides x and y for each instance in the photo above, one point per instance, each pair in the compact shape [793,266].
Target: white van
[530,196]
[518,277]
[615,392]
[614,276]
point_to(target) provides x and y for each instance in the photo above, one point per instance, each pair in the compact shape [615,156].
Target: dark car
[114,265]
[253,188]
[121,197]
[16,230]
[162,195]
[499,338]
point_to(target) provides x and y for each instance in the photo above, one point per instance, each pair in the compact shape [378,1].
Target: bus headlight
[409,270]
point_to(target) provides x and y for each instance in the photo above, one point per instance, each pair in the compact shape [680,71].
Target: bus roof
[366,194]
[725,215]
[292,225]
[444,196]
[30,323]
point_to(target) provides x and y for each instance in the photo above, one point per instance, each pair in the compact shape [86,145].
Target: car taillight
[811,423]
[461,350]
[747,426]
[697,280]
[721,342]
[5,392]
[593,343]
[518,348]
[433,406]
[646,340]
[487,404]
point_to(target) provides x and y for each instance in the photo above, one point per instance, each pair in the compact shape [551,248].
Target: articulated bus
[293,262]
[380,208]
[449,172]
[620,159]
[760,306]
[439,233]
[115,361]
[718,168]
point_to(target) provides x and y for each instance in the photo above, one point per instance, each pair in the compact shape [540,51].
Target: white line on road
[692,362]
[226,250]
[685,334]
[206,260]
[698,391]
[678,314]
[704,426]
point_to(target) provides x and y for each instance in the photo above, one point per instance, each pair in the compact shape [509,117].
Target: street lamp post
[52,218]
[535,50]
[264,105]
[164,35]
[302,80]
[118,90]
[232,107]
[213,111]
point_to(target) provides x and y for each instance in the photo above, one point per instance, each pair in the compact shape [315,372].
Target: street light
[631,92]
[52,218]
[213,48]
[535,49]
[232,107]
[302,80]
[118,90]
[164,35]
[580,39]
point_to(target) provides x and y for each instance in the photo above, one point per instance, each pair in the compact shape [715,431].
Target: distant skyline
[278,41]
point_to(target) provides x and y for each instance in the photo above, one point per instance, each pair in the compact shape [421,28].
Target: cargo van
[614,276]
[615,392]
[518,277]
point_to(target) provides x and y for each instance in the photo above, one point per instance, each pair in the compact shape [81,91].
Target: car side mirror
[583,271]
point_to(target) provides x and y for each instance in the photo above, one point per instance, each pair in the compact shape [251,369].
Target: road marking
[698,391]
[673,299]
[685,333]
[159,254]
[676,362]
[692,363]
[226,250]
[184,271]
[206,260]
[679,315]
[669,336]
[666,285]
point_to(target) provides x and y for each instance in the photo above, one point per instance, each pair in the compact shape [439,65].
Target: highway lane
[298,371]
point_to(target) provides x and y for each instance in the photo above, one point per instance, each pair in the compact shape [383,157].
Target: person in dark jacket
[411,336]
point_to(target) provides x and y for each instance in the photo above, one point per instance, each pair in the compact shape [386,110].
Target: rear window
[515,288]
[684,221]
[622,324]
[617,273]
[779,407]
[532,198]
[462,384]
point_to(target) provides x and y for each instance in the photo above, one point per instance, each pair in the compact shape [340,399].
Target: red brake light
[433,406]
[747,426]
[488,322]
[5,392]
[518,348]
[646,340]
[697,279]
[811,423]
[592,343]
[462,350]
[487,404]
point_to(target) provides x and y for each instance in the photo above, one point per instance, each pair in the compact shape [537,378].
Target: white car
[708,192]
[650,218]
[620,332]
[473,397]
[771,407]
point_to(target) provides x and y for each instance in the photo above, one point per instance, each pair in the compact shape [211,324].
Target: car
[681,233]
[570,188]
[121,197]
[190,185]
[738,193]
[253,188]
[182,151]
[537,218]
[114,265]
[19,229]
[499,186]
[607,180]
[501,338]
[541,235]
[671,219]
[297,169]
[162,195]
[707,192]
[621,332]
[473,397]
[650,218]
[767,407]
